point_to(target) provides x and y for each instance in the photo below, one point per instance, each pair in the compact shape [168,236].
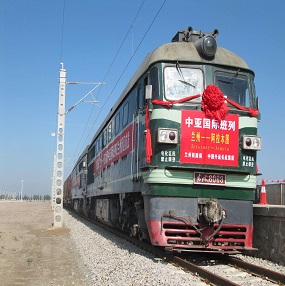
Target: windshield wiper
[187,83]
[181,75]
[230,81]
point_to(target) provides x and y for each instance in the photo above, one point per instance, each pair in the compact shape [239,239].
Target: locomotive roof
[173,52]
[185,52]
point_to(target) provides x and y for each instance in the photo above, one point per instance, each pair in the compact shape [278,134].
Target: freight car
[174,162]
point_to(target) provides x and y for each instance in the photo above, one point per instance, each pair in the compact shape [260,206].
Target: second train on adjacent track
[174,162]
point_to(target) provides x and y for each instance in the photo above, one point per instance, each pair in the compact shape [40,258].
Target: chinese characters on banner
[209,141]
[120,147]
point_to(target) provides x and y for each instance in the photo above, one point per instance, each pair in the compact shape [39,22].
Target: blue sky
[33,45]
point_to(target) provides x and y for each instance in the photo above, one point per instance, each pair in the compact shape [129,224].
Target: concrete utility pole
[53,182]
[58,171]
[22,188]
[59,166]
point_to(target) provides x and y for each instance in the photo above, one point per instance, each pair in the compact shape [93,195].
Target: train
[175,160]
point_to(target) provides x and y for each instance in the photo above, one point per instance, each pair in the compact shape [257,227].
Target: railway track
[226,270]
[222,270]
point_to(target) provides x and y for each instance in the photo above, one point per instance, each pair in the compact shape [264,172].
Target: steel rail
[203,273]
[260,271]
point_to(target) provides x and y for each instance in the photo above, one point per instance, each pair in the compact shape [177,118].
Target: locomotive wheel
[130,231]
[133,231]
[140,235]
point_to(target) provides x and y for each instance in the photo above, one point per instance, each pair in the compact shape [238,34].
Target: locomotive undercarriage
[204,225]
[124,211]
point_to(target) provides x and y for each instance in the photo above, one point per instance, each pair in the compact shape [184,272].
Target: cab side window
[117,123]
[154,82]
[110,132]
[125,114]
[140,96]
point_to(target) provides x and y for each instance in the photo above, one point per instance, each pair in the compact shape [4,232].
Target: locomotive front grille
[229,236]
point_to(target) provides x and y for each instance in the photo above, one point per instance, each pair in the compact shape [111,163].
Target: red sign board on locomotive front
[209,141]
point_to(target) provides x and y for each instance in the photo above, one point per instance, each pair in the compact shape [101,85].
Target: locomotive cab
[205,113]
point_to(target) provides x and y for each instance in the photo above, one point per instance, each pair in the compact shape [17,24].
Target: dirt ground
[34,253]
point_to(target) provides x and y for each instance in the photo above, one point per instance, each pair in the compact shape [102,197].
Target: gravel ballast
[110,260]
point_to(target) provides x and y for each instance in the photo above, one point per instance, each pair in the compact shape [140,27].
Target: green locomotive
[174,162]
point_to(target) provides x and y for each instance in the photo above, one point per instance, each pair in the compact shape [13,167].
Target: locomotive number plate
[209,178]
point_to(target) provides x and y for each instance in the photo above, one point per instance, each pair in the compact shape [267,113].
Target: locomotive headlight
[162,136]
[256,143]
[209,46]
[251,142]
[206,47]
[167,135]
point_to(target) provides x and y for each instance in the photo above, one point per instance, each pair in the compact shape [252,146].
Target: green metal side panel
[199,192]
[164,176]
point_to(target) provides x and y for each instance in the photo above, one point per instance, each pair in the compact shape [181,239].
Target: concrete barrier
[269,232]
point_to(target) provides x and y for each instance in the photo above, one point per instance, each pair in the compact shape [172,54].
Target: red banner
[76,182]
[120,147]
[208,141]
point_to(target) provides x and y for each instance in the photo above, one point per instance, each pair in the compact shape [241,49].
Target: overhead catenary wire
[128,63]
[99,90]
[81,100]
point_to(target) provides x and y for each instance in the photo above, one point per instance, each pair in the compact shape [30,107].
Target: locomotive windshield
[234,86]
[182,82]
